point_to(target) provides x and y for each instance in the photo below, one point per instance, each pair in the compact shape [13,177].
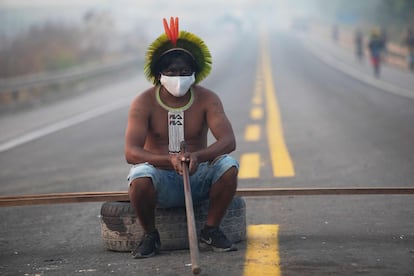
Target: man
[177,109]
[409,42]
[375,46]
[359,44]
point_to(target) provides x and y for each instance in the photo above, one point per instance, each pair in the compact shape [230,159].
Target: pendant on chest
[175,130]
[175,122]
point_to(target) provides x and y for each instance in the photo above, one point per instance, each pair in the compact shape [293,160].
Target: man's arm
[136,134]
[221,129]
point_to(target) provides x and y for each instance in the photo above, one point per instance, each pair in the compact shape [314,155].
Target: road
[335,130]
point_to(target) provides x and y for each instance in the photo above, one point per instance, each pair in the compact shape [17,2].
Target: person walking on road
[375,46]
[409,42]
[384,40]
[174,109]
[359,44]
[335,33]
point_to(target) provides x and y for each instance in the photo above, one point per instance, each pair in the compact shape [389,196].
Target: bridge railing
[30,86]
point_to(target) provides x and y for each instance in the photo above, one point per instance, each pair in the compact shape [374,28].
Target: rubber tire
[121,230]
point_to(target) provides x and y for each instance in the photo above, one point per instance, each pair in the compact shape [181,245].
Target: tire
[121,230]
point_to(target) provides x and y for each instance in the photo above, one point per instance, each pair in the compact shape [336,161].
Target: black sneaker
[148,247]
[216,240]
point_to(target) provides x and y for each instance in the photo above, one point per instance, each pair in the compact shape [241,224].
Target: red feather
[176,28]
[172,30]
[167,30]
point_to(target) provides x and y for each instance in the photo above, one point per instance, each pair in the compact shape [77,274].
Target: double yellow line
[282,165]
[262,253]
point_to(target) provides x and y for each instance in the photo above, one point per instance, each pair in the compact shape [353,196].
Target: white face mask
[177,85]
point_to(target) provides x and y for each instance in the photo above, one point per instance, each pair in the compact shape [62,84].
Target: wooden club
[191,226]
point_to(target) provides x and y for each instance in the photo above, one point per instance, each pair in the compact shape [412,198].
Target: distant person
[384,39]
[335,32]
[409,42]
[359,44]
[375,46]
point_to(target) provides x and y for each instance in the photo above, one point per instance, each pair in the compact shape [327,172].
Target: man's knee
[229,178]
[141,186]
[231,174]
[230,167]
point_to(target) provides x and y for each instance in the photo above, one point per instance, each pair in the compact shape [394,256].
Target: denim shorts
[169,184]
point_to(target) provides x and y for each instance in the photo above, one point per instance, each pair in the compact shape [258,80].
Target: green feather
[186,40]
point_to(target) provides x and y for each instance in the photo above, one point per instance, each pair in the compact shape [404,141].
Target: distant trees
[399,10]
[392,17]
[43,47]
[97,34]
[380,12]
[55,45]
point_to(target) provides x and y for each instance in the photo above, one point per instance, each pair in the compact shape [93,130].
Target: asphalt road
[339,131]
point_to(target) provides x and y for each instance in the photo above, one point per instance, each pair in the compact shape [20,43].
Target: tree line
[52,45]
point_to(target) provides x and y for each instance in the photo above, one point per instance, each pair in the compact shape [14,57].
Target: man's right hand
[177,160]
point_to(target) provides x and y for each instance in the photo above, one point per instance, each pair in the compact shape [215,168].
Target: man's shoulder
[148,93]
[206,97]
[145,97]
[203,91]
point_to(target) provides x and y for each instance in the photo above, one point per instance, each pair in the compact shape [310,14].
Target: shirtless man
[177,109]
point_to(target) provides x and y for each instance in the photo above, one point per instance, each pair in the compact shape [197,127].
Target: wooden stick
[57,198]
[191,226]
[82,197]
[325,191]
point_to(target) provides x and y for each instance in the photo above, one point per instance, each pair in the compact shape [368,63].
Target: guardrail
[59,198]
[28,87]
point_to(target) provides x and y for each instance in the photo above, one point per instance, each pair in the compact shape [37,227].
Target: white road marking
[41,132]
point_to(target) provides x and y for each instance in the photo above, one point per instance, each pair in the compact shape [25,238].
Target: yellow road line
[262,253]
[257,100]
[256,113]
[249,165]
[257,96]
[252,133]
[281,161]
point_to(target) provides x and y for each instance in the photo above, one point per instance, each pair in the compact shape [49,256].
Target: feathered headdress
[171,40]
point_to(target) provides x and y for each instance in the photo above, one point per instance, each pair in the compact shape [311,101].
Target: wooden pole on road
[82,197]
[191,226]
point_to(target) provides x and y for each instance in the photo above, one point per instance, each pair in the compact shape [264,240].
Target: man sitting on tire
[177,109]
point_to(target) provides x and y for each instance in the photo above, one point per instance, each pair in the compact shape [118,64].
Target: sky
[146,15]
[17,14]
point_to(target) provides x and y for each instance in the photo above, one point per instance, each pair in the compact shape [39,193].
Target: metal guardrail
[10,88]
